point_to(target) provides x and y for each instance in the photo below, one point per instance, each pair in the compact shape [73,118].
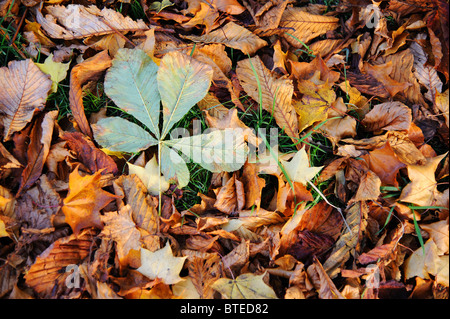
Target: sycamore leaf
[298,168]
[423,261]
[132,84]
[24,90]
[233,36]
[56,70]
[422,189]
[119,135]
[276,93]
[245,286]
[149,175]
[305,26]
[439,233]
[78,21]
[182,82]
[85,200]
[161,264]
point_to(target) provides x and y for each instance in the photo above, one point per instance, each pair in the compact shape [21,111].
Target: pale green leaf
[216,151]
[119,135]
[174,167]
[182,82]
[132,84]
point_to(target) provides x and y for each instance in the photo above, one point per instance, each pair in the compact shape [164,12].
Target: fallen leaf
[276,93]
[382,72]
[230,197]
[89,154]
[45,276]
[389,116]
[322,282]
[150,176]
[203,273]
[40,140]
[298,168]
[24,90]
[88,70]
[84,201]
[439,233]
[120,227]
[422,189]
[245,286]
[161,264]
[232,35]
[423,262]
[305,26]
[56,70]
[442,102]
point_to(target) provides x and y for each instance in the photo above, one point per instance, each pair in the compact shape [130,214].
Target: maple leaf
[423,187]
[245,286]
[56,70]
[298,168]
[85,200]
[161,264]
[150,176]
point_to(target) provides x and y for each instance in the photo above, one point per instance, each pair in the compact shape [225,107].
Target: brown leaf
[389,116]
[366,83]
[84,201]
[45,275]
[233,36]
[382,73]
[92,157]
[322,219]
[204,272]
[276,93]
[120,227]
[322,282]
[88,70]
[231,196]
[40,140]
[236,258]
[383,162]
[267,16]
[253,185]
[24,91]
[143,209]
[308,244]
[305,26]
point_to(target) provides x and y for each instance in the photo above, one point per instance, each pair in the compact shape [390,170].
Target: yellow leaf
[149,175]
[422,190]
[161,264]
[56,70]
[441,100]
[246,286]
[3,232]
[298,169]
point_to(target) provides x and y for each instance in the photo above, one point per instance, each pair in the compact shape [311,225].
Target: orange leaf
[85,200]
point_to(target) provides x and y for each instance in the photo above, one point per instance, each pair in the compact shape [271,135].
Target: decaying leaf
[24,90]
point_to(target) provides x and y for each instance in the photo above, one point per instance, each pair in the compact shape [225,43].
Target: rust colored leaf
[230,197]
[204,272]
[91,156]
[88,70]
[85,200]
[45,276]
[40,139]
[308,244]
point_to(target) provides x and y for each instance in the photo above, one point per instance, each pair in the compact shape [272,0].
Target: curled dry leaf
[77,21]
[89,70]
[24,90]
[389,116]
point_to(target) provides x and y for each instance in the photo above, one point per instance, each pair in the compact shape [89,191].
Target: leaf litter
[110,113]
